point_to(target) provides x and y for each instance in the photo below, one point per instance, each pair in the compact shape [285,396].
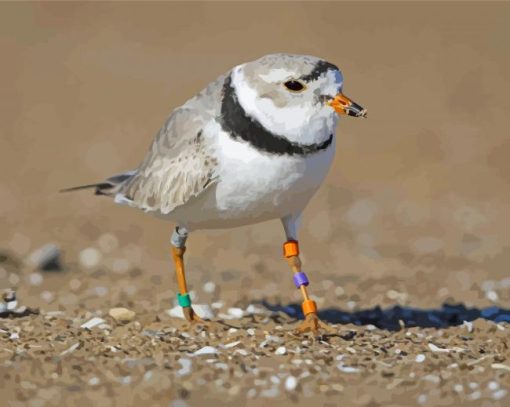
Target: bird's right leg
[312,323]
[178,240]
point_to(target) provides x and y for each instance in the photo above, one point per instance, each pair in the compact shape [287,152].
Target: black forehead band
[320,68]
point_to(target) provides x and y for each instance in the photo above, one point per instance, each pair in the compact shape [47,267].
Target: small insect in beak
[345,106]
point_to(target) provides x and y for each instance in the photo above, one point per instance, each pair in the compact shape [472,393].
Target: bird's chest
[263,185]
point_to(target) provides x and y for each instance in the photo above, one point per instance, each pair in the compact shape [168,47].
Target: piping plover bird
[254,145]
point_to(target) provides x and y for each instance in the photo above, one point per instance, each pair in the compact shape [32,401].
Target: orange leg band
[291,248]
[309,307]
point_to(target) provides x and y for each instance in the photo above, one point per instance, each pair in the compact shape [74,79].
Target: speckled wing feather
[180,164]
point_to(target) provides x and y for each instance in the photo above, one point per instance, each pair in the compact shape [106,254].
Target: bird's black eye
[294,86]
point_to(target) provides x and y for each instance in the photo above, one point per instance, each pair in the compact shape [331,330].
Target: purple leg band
[300,279]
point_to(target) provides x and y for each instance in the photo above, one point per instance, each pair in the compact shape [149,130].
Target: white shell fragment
[500,366]
[71,349]
[91,323]
[206,350]
[347,369]
[231,344]
[435,348]
[186,367]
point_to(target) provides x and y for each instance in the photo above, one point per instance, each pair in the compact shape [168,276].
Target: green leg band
[184,300]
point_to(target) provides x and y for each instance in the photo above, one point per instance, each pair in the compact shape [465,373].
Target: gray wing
[181,163]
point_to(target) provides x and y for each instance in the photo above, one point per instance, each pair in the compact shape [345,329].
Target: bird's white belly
[254,186]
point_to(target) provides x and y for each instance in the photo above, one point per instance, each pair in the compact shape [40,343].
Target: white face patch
[304,123]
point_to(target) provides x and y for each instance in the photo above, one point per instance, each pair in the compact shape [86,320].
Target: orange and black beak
[343,105]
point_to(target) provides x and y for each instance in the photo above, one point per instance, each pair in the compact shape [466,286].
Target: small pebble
[47,296]
[35,279]
[432,378]
[94,381]
[280,351]
[420,358]
[209,287]
[492,296]
[459,388]
[493,385]
[339,291]
[236,312]
[122,314]
[253,309]
[46,258]
[498,395]
[291,383]
[90,257]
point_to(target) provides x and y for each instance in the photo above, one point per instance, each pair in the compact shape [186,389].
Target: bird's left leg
[179,237]
[312,323]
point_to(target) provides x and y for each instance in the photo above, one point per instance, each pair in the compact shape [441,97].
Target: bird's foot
[313,324]
[191,316]
[194,320]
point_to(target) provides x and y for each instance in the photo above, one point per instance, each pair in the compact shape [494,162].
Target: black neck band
[239,125]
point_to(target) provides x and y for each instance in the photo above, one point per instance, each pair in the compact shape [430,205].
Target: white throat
[300,124]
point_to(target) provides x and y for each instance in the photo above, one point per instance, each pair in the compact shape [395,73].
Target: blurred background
[414,211]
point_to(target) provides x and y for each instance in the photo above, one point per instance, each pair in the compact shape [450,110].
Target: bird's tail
[109,187]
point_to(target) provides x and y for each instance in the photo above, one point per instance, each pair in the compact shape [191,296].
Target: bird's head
[294,96]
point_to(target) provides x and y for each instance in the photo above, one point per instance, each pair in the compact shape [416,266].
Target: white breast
[254,186]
